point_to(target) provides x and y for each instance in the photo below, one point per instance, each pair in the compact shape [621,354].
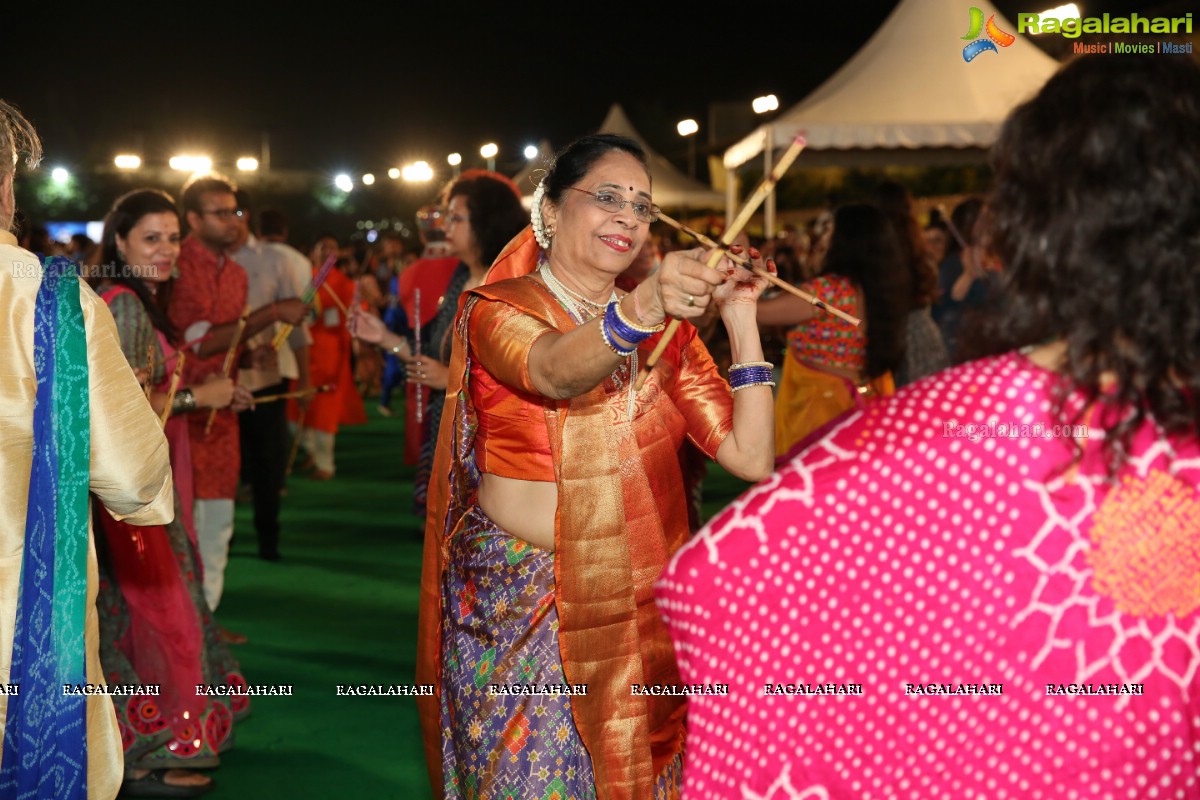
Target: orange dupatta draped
[622,513]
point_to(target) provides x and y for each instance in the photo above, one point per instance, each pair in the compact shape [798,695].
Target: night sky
[360,89]
[366,89]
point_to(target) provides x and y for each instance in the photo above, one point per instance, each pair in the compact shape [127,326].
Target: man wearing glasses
[207,300]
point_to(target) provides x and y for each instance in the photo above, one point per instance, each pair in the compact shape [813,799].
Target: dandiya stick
[417,350]
[185,346]
[271,398]
[228,365]
[295,443]
[176,376]
[310,292]
[762,273]
[149,370]
[953,228]
[756,199]
[329,291]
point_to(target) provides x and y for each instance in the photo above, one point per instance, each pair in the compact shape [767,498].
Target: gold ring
[691,300]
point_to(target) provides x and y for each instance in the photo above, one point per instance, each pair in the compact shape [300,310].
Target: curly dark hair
[1095,215]
[864,249]
[896,204]
[494,203]
[126,212]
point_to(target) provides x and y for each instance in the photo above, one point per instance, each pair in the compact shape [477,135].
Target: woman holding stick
[155,625]
[556,494]
[830,366]
[1021,531]
[483,213]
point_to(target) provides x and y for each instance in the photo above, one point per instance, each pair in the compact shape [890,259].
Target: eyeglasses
[453,219]
[223,213]
[612,203]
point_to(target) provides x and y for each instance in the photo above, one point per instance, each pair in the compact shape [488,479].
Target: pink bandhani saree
[923,603]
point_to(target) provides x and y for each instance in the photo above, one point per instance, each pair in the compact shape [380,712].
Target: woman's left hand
[242,399]
[741,286]
[427,371]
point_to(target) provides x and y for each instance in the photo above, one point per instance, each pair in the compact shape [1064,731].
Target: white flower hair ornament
[535,216]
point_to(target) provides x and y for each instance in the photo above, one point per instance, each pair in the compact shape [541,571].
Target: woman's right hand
[684,284]
[215,392]
[367,327]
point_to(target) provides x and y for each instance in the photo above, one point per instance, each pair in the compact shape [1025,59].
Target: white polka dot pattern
[893,553]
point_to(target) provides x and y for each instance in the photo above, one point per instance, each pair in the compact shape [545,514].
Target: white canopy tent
[672,189]
[907,96]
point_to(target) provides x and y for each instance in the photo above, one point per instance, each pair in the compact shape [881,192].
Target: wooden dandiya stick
[176,377]
[420,399]
[186,346]
[227,367]
[149,370]
[310,292]
[345,312]
[295,443]
[755,200]
[954,231]
[271,398]
[762,273]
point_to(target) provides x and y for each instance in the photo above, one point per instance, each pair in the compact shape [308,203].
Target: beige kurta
[130,472]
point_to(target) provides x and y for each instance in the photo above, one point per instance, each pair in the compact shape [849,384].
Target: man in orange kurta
[329,365]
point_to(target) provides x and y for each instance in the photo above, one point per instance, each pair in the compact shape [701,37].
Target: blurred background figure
[262,430]
[329,365]
[483,212]
[963,280]
[832,367]
[924,350]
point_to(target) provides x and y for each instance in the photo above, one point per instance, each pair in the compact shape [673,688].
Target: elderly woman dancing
[556,497]
[1021,532]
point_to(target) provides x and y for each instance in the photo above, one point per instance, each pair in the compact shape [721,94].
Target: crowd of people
[920,524]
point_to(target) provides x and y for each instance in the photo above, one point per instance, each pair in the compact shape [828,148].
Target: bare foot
[173,777]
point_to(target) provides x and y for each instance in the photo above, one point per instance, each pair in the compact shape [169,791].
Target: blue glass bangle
[749,374]
[617,327]
[606,335]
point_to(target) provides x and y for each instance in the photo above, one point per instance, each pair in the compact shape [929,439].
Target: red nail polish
[754,253]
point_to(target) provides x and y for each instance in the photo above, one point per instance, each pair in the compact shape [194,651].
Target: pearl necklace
[572,301]
[582,310]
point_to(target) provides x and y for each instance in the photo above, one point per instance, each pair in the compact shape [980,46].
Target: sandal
[154,784]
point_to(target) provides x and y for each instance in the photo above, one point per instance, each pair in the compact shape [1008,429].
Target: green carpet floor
[340,608]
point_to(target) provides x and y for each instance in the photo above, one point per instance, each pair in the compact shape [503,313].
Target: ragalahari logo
[983,44]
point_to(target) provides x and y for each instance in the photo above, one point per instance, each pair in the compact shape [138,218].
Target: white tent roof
[909,87]
[671,188]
